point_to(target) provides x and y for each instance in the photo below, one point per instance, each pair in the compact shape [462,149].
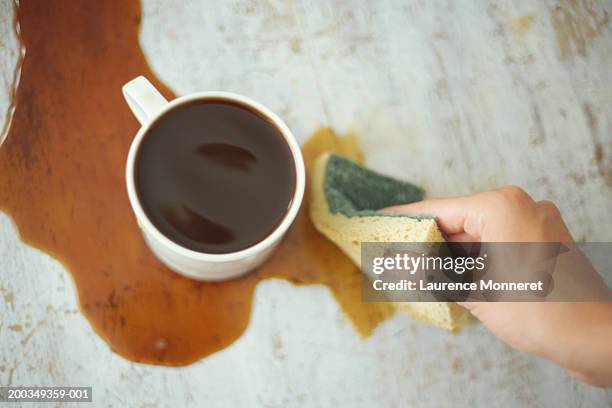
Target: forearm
[583,345]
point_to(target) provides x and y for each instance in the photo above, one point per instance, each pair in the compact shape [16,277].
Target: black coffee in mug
[215,176]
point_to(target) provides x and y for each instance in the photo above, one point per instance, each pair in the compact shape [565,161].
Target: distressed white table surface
[456,96]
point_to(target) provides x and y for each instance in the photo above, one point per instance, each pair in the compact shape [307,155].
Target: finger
[549,207]
[461,237]
[468,305]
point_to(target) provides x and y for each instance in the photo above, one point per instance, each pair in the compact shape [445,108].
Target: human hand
[575,335]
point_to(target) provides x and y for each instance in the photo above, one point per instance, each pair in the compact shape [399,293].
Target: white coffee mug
[148,104]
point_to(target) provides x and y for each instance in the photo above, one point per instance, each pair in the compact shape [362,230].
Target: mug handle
[143,99]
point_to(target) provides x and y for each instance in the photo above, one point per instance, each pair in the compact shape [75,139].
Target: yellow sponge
[344,203]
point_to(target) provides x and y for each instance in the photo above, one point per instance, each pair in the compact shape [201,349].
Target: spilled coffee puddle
[62,181]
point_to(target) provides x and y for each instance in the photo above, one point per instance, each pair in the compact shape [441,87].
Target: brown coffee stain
[521,26]
[576,23]
[603,163]
[62,181]
[7,295]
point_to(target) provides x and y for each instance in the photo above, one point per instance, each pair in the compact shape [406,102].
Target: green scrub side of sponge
[354,191]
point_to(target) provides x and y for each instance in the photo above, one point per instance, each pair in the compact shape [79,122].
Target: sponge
[353,190]
[345,199]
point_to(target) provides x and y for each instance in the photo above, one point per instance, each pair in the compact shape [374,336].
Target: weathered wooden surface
[457,96]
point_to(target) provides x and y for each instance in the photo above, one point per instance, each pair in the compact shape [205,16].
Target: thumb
[454,215]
